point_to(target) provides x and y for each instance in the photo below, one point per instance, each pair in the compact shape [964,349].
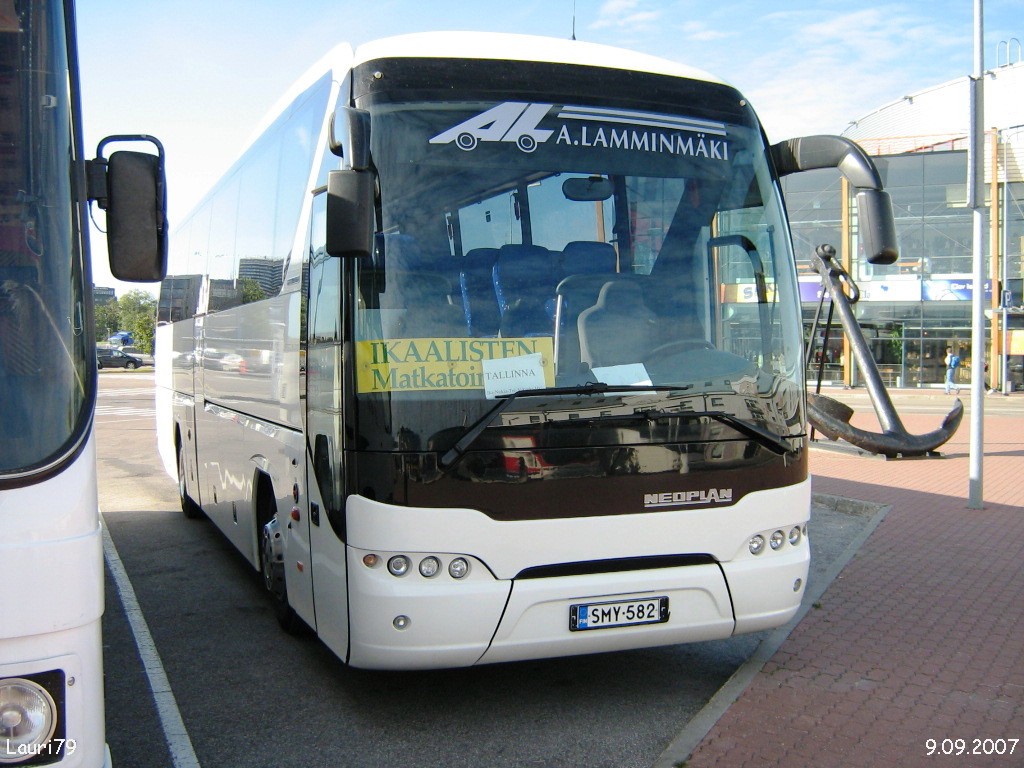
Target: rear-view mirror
[350,213]
[131,188]
[592,189]
[877,226]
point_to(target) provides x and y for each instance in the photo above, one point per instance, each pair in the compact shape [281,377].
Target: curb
[694,732]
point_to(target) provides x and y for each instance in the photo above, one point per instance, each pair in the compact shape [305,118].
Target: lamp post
[976,202]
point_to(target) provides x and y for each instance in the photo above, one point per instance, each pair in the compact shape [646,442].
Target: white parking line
[124,410]
[121,392]
[178,741]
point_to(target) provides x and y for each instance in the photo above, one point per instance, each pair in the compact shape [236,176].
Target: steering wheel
[679,345]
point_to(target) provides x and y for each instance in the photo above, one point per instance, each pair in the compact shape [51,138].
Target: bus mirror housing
[131,188]
[349,137]
[350,210]
[877,226]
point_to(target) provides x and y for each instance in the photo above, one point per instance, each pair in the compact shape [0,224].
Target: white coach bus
[489,348]
[51,551]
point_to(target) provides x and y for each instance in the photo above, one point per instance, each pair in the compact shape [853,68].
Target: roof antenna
[573,19]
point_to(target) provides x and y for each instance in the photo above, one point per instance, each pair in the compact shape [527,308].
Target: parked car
[115,358]
[146,359]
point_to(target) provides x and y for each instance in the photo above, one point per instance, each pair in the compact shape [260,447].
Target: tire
[190,509]
[130,366]
[272,566]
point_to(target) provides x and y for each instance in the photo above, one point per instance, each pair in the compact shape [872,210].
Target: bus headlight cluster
[428,566]
[776,540]
[28,717]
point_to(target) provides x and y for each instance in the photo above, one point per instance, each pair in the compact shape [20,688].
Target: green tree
[137,313]
[106,320]
[251,291]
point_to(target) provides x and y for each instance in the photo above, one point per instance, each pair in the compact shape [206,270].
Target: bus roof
[480,45]
[488,45]
[473,45]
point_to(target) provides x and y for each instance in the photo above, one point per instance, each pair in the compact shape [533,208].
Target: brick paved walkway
[922,634]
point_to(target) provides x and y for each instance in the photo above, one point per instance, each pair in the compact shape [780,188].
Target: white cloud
[699,32]
[812,70]
[626,15]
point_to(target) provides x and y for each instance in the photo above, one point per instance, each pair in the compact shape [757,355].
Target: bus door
[322,370]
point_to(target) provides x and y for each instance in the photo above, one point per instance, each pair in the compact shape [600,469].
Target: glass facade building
[913,310]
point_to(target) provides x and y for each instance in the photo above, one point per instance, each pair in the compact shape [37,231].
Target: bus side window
[323,468]
[324,365]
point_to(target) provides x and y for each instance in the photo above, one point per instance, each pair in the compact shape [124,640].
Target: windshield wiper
[592,388]
[773,442]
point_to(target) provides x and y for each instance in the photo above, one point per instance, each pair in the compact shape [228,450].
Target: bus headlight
[398,565]
[28,718]
[458,568]
[756,544]
[429,566]
[777,540]
[795,535]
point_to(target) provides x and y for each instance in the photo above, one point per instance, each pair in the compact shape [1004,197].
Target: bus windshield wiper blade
[593,388]
[773,442]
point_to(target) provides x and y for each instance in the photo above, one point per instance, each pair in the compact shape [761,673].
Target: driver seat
[619,329]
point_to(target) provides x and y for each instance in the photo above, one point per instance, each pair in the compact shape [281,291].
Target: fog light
[795,536]
[398,565]
[756,544]
[777,540]
[797,584]
[401,622]
[28,718]
[429,566]
[458,568]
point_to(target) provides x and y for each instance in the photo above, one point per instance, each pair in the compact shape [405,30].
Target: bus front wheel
[272,571]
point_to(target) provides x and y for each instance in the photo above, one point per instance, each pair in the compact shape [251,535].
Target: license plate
[619,613]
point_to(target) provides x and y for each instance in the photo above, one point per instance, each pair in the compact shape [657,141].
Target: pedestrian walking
[952,363]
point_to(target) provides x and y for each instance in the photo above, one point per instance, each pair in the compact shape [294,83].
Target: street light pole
[976,201]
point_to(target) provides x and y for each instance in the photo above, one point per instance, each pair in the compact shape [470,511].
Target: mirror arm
[353,142]
[810,153]
[96,170]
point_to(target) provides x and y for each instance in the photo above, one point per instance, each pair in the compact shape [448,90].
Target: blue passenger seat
[417,302]
[476,284]
[525,277]
[586,257]
[587,265]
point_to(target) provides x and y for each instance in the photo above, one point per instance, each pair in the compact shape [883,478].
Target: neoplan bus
[489,348]
[51,671]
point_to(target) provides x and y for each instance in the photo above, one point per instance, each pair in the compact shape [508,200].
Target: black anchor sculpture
[831,417]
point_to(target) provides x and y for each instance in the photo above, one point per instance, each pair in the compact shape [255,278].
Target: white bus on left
[51,551]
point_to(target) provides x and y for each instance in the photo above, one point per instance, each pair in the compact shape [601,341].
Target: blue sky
[199,74]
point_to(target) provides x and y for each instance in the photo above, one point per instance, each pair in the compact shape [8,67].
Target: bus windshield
[536,245]
[45,372]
